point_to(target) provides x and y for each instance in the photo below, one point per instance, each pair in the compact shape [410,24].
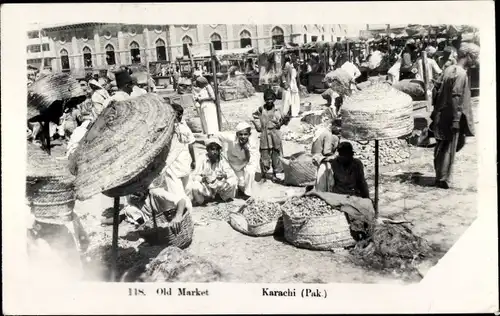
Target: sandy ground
[440,216]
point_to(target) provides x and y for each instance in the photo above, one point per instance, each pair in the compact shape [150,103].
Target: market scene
[250,153]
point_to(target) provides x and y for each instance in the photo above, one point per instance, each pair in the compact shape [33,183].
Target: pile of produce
[175,265]
[391,151]
[392,246]
[243,87]
[304,136]
[219,212]
[310,206]
[261,212]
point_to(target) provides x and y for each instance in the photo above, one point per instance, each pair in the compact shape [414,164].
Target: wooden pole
[41,49]
[216,85]
[114,243]
[376,179]
[147,69]
[426,81]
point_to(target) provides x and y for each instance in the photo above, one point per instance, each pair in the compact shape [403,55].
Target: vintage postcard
[249,158]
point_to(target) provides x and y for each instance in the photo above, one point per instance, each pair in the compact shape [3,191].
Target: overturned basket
[157,230]
[318,232]
[239,222]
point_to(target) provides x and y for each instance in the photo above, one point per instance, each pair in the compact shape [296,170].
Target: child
[271,120]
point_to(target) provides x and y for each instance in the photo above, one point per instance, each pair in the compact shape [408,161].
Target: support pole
[426,81]
[114,243]
[216,85]
[147,69]
[376,179]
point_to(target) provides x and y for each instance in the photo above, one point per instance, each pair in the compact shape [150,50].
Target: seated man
[242,155]
[346,175]
[324,146]
[141,207]
[213,176]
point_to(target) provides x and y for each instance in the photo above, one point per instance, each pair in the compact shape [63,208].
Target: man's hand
[175,224]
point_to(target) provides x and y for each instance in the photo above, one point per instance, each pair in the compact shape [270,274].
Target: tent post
[216,85]
[426,81]
[376,179]
[114,243]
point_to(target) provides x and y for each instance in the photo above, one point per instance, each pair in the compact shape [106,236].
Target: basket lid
[124,140]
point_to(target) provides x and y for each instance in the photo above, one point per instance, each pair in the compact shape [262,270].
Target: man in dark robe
[452,114]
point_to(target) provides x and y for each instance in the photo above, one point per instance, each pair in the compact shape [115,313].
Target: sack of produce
[414,88]
[299,170]
[174,265]
[158,231]
[375,60]
[194,124]
[258,218]
[339,81]
[240,84]
[228,93]
[310,223]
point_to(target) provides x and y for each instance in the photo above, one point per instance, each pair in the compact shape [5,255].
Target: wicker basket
[299,170]
[163,235]
[377,112]
[318,233]
[414,88]
[41,165]
[124,146]
[239,223]
[52,200]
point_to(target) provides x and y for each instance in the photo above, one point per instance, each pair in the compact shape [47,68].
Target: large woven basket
[41,165]
[125,146]
[299,170]
[239,223]
[52,200]
[318,233]
[377,112]
[162,233]
[51,88]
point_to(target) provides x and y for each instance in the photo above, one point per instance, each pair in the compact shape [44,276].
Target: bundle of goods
[414,88]
[270,68]
[135,133]
[375,60]
[175,265]
[377,112]
[158,231]
[49,187]
[258,218]
[299,170]
[329,95]
[240,84]
[339,81]
[391,245]
[311,223]
[391,151]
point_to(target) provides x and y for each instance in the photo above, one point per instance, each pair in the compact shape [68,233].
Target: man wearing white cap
[242,155]
[213,176]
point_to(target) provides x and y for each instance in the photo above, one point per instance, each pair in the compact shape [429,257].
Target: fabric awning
[226,52]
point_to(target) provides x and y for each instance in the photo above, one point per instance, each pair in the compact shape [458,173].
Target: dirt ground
[440,216]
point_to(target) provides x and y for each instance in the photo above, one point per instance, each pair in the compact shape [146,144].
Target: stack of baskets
[49,187]
[377,112]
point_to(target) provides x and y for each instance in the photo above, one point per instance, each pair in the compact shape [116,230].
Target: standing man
[452,116]
[242,155]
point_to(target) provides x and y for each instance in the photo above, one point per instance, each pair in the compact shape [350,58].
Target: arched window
[245,39]
[110,55]
[161,52]
[278,37]
[216,41]
[64,60]
[135,53]
[87,57]
[186,40]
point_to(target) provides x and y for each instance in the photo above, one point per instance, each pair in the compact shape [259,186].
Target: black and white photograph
[258,153]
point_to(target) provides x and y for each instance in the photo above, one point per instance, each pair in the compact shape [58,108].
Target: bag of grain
[258,218]
[414,88]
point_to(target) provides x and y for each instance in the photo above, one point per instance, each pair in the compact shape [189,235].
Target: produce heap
[308,207]
[262,212]
[244,88]
[391,151]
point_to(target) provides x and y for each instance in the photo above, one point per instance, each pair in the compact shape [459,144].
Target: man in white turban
[242,153]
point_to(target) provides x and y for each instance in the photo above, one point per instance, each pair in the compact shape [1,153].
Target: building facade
[91,47]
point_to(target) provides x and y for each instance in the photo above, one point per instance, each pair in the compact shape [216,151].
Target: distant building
[92,47]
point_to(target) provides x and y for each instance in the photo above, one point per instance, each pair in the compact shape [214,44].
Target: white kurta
[294,94]
[208,110]
[244,167]
[178,164]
